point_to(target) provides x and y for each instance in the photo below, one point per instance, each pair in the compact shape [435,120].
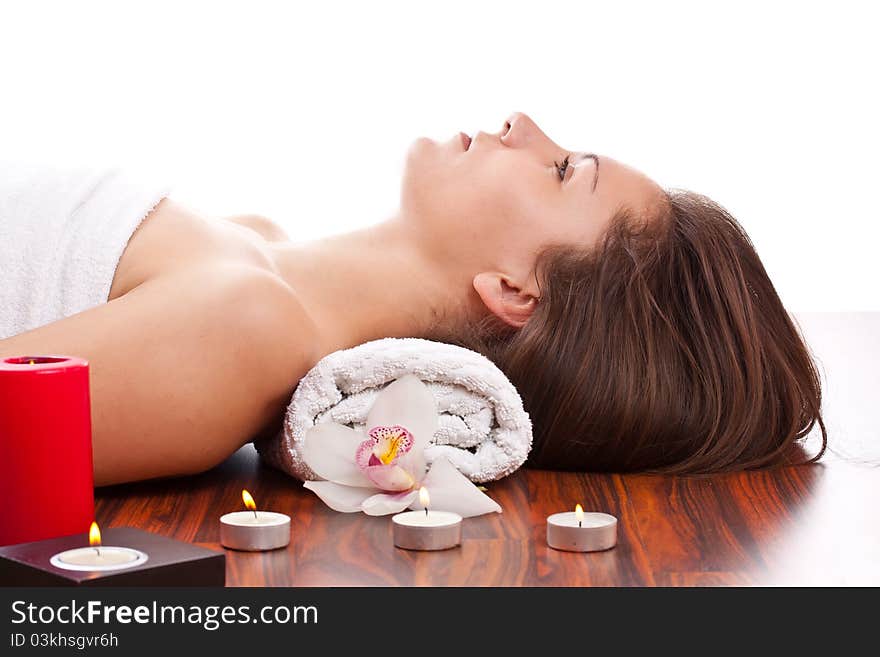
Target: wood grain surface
[797,525]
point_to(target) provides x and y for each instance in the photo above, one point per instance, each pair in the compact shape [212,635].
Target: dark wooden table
[788,526]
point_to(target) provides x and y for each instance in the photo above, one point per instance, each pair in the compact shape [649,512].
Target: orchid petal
[390,477]
[363,454]
[414,463]
[329,450]
[449,490]
[345,499]
[407,402]
[383,503]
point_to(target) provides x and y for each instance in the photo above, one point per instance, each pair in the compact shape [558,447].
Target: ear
[508,302]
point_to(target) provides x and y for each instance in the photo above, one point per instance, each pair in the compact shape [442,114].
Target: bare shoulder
[193,363]
[263,226]
[269,311]
[249,310]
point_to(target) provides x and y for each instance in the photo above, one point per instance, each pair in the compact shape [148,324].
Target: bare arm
[184,369]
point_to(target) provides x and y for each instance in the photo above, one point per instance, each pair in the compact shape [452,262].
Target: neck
[372,283]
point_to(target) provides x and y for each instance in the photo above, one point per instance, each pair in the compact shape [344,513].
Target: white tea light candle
[254,530]
[581,532]
[426,530]
[98,558]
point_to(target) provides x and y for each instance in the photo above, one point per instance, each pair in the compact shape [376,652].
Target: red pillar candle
[46,481]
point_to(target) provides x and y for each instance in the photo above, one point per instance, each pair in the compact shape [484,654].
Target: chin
[415,188]
[430,184]
[420,156]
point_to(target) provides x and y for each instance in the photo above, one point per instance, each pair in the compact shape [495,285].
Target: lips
[465,140]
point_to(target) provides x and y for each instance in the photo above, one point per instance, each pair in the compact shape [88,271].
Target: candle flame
[424,498]
[31,362]
[94,534]
[579,513]
[248,500]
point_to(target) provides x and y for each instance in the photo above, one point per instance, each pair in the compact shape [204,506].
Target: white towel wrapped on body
[62,232]
[483,429]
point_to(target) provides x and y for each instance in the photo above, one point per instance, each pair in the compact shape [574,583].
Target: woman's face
[497,201]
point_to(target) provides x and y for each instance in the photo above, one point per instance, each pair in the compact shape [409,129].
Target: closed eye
[562,168]
[565,166]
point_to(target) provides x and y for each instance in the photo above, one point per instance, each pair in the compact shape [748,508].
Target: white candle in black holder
[97,557]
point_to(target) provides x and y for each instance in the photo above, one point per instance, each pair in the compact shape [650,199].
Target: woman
[638,324]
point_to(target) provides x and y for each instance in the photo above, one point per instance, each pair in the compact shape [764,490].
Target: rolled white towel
[483,429]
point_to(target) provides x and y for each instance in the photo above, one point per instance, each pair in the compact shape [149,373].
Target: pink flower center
[377,457]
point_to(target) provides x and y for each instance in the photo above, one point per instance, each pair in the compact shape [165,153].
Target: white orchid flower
[381,473]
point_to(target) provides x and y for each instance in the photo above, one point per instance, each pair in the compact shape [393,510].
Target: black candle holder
[170,562]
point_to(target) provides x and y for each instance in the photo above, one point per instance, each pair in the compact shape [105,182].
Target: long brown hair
[666,348]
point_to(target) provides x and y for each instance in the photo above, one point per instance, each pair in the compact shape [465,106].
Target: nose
[508,124]
[520,131]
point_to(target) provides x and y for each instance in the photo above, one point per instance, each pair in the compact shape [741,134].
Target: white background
[304,111]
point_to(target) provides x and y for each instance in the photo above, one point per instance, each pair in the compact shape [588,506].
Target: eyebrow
[595,158]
